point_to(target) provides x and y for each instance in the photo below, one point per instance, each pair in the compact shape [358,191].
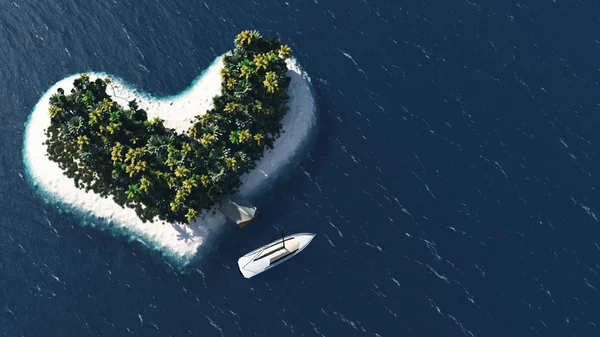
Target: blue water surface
[453,184]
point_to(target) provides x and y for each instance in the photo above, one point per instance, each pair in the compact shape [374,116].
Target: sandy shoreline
[178,241]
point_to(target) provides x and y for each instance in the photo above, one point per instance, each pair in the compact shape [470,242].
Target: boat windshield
[278,251]
[279,257]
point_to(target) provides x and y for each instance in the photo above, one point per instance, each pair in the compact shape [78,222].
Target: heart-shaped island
[154,169]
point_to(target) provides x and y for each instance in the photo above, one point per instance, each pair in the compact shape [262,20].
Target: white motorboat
[273,254]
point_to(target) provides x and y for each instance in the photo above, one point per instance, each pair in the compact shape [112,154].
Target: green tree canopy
[116,151]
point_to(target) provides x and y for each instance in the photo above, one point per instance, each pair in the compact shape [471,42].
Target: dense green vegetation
[116,151]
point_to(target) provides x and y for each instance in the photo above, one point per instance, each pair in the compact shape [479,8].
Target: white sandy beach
[180,241]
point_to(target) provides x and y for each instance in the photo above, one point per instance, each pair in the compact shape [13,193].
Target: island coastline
[178,241]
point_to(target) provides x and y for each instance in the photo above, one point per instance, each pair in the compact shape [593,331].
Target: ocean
[452,183]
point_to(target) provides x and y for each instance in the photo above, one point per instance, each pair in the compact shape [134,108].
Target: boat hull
[249,265]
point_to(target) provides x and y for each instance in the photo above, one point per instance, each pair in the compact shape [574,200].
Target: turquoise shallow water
[452,185]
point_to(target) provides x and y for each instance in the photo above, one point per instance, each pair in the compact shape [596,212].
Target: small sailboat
[273,254]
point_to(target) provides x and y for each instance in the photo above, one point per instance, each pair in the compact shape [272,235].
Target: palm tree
[88,97]
[112,128]
[117,152]
[242,39]
[191,215]
[107,104]
[189,184]
[130,155]
[225,72]
[204,180]
[259,138]
[130,170]
[244,135]
[186,148]
[284,51]
[193,131]
[75,125]
[245,38]
[246,71]
[115,116]
[83,141]
[133,191]
[206,118]
[95,117]
[181,195]
[58,99]
[181,172]
[208,139]
[272,56]
[261,61]
[234,137]
[134,158]
[254,35]
[175,205]
[85,78]
[242,158]
[140,166]
[230,84]
[145,184]
[231,107]
[154,124]
[55,111]
[270,82]
[231,163]
[136,154]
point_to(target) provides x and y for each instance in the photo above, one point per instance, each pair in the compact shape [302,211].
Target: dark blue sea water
[453,185]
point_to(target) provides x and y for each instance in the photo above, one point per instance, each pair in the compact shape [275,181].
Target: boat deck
[279,250]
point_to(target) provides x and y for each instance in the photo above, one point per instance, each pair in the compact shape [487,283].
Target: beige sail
[239,211]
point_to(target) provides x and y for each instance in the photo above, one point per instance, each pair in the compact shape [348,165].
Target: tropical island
[117,151]
[101,149]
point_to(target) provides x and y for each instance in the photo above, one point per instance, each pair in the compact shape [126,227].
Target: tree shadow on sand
[207,223]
